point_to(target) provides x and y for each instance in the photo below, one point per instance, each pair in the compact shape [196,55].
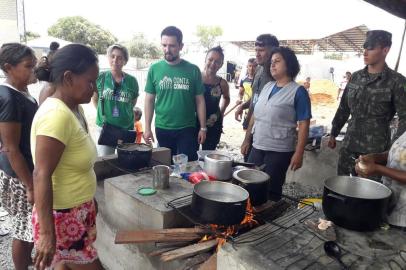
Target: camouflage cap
[378,37]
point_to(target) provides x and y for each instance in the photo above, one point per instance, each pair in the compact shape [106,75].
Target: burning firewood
[188,251]
[173,244]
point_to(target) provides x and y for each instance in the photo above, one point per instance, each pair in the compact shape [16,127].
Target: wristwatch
[203,129]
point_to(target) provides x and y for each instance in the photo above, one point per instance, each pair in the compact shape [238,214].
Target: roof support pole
[401,47]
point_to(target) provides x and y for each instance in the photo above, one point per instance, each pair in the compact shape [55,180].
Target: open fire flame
[222,233]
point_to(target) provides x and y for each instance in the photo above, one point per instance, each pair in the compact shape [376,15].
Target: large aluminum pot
[218,166]
[219,202]
[355,203]
[255,182]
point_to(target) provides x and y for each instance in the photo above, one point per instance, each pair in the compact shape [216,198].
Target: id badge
[116,112]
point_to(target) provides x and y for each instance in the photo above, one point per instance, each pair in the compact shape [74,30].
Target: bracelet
[203,129]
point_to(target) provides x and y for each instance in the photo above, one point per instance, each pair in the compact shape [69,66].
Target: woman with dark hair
[64,214]
[282,106]
[17,109]
[42,70]
[216,89]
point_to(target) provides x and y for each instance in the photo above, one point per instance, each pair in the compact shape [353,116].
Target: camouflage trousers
[346,163]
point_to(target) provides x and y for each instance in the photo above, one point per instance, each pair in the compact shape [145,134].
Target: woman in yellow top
[64,214]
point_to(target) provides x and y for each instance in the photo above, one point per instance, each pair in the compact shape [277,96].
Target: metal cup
[160,178]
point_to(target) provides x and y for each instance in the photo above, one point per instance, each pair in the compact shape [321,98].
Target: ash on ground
[301,191]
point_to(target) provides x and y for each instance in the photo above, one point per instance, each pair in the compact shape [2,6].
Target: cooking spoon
[333,250]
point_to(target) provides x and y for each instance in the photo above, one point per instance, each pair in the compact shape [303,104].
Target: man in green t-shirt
[175,90]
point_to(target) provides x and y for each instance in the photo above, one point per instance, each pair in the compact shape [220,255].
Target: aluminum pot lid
[250,176]
[218,157]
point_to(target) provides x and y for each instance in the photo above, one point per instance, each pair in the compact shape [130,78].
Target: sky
[239,19]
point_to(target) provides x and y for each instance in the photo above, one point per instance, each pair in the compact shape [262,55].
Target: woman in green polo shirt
[117,92]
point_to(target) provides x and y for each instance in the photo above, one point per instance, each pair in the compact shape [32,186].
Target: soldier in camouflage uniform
[372,97]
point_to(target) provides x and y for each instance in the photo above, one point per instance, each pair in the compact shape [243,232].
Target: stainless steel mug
[160,177]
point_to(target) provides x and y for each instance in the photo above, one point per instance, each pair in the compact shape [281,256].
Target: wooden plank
[210,264]
[162,235]
[188,251]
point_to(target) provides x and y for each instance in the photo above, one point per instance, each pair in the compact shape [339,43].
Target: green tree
[208,34]
[79,30]
[139,46]
[31,35]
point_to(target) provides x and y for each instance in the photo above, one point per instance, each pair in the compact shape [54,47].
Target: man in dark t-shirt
[263,47]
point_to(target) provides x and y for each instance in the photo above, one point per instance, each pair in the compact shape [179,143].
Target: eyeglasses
[264,44]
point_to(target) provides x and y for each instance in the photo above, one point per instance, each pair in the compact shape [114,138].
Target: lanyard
[117,88]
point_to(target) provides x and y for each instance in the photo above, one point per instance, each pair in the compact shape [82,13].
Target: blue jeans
[180,141]
[277,164]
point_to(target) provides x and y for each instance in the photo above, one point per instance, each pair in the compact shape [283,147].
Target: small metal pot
[134,156]
[255,182]
[355,203]
[218,166]
[219,202]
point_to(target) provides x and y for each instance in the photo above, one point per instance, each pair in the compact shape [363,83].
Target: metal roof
[350,40]
[396,7]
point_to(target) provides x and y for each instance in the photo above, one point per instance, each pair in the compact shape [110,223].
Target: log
[172,244]
[166,246]
[188,251]
[162,235]
[160,251]
[193,263]
[210,264]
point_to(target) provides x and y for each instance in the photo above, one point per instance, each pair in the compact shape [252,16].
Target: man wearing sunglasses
[371,97]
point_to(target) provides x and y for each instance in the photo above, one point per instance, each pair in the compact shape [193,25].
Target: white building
[9,21]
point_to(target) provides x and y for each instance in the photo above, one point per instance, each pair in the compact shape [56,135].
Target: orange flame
[205,238]
[249,216]
[221,233]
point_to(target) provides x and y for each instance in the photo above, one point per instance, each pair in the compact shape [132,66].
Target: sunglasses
[260,44]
